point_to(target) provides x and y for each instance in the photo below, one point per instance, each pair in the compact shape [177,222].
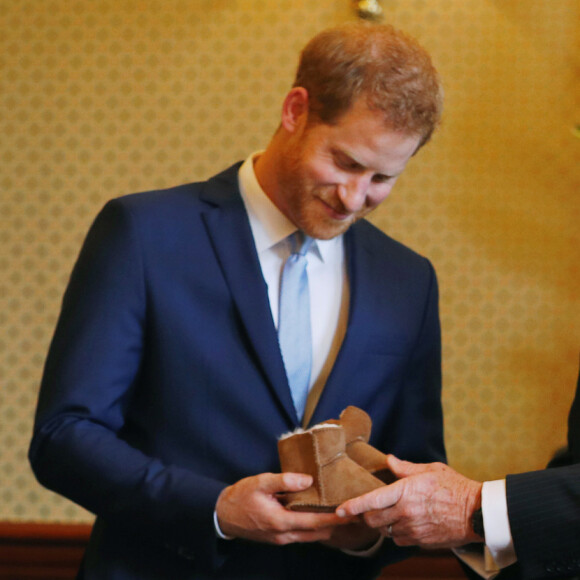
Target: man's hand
[250,509]
[431,506]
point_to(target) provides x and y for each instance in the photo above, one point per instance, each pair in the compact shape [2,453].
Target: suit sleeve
[544,514]
[78,449]
[425,375]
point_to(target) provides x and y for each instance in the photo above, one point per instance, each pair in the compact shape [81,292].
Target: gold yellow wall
[102,98]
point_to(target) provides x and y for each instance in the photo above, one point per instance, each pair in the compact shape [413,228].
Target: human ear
[295,109]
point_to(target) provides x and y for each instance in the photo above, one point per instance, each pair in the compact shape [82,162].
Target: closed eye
[380,178]
[350,165]
[346,162]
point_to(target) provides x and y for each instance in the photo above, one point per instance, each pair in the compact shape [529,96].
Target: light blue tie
[294,321]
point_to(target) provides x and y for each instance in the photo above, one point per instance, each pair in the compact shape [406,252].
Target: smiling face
[329,176]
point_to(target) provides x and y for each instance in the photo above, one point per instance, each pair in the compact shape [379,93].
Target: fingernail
[340,513]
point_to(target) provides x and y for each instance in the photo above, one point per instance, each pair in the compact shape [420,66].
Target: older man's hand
[431,505]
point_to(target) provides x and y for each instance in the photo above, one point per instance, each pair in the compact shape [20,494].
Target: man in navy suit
[530,522]
[165,390]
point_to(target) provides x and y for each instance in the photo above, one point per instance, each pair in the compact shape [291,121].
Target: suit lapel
[229,229]
[336,393]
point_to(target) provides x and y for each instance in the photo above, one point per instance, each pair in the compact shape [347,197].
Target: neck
[266,174]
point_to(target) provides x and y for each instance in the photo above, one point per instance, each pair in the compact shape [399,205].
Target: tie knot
[300,243]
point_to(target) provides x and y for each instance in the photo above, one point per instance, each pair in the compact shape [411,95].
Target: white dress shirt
[327,277]
[327,280]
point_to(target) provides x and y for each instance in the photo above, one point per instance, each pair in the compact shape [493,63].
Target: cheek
[323,173]
[377,195]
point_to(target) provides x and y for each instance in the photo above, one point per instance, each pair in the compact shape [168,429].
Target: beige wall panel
[99,99]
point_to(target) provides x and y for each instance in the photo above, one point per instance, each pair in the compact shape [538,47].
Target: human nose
[353,193]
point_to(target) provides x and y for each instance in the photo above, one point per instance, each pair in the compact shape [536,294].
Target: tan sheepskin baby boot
[357,431]
[320,452]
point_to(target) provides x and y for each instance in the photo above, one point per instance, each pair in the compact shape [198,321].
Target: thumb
[280,482]
[404,468]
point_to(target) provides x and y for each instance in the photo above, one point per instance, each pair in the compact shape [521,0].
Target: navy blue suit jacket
[164,383]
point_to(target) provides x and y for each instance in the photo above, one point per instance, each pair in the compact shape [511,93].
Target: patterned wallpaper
[99,99]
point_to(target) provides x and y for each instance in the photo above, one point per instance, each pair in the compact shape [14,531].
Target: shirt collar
[269,225]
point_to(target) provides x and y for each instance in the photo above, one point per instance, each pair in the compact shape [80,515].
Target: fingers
[276,483]
[311,520]
[378,499]
[281,526]
[273,483]
[302,536]
[406,468]
[386,531]
[381,520]
[250,509]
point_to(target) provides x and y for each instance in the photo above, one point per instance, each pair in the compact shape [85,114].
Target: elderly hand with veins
[430,505]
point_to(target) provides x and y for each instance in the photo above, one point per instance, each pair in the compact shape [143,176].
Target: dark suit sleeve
[424,373]
[544,512]
[544,515]
[78,448]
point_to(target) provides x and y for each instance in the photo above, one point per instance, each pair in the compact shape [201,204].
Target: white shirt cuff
[498,537]
[218,530]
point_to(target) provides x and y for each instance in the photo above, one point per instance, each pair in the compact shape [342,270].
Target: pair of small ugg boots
[337,454]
